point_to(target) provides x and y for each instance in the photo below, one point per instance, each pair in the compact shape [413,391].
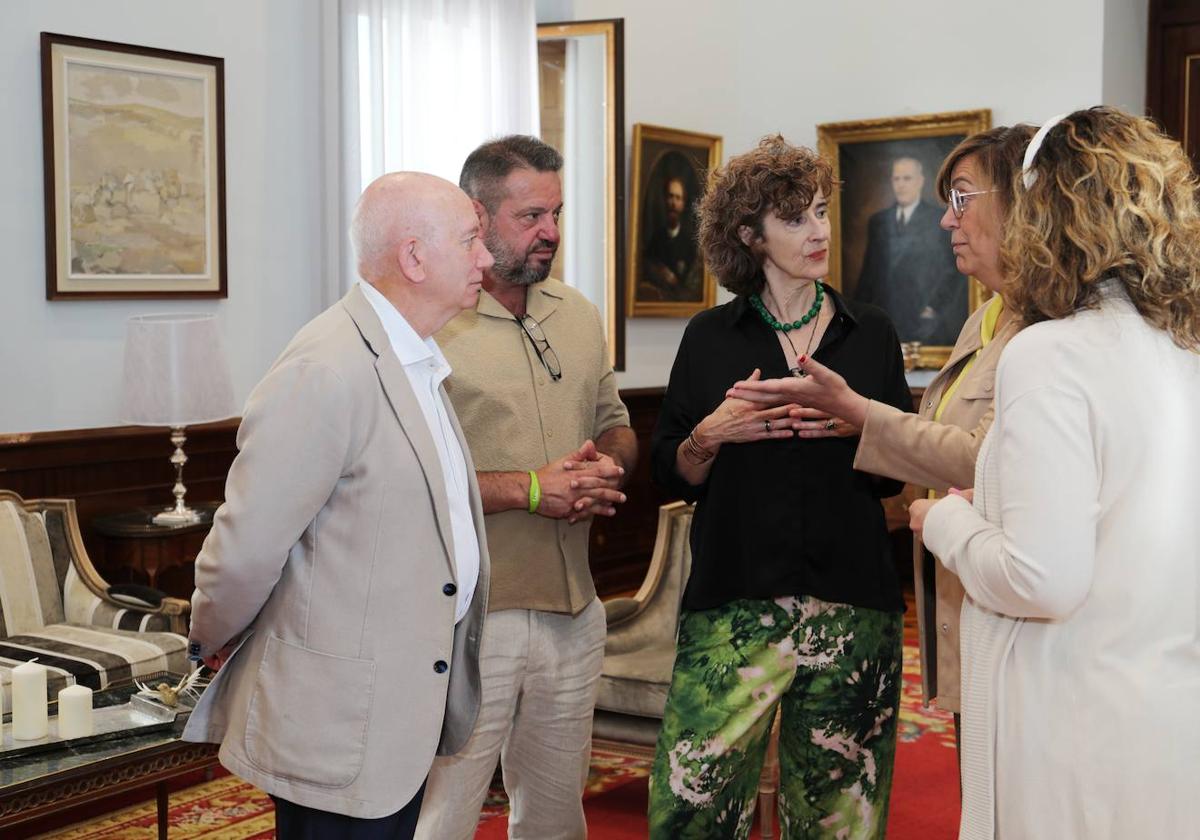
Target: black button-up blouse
[791,516]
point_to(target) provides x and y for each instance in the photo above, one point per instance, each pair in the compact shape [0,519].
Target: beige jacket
[938,455]
[331,558]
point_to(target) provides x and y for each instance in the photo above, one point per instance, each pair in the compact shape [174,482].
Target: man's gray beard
[525,275]
[509,270]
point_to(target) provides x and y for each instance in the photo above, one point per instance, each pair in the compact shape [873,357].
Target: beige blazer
[331,559]
[938,455]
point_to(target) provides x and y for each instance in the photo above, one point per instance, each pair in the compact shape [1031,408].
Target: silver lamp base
[175,517]
[181,514]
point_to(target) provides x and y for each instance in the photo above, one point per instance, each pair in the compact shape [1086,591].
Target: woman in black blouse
[793,597]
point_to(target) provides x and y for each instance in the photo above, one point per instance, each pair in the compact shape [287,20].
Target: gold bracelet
[694,452]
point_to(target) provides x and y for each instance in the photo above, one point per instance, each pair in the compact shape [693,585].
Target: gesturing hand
[820,388]
[814,423]
[740,421]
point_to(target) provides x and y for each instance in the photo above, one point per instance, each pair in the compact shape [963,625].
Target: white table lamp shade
[175,371]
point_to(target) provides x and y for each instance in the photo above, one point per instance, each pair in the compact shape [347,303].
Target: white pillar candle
[29,720]
[75,712]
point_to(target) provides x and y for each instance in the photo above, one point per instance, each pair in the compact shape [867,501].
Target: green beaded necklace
[756,301]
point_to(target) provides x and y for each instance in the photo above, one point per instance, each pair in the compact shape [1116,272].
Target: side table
[38,786]
[135,550]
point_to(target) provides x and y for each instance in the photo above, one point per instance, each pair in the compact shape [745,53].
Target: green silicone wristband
[535,492]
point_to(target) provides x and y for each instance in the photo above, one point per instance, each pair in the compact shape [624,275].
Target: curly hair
[776,177]
[997,152]
[1113,197]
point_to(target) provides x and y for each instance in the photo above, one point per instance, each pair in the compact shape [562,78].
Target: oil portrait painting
[892,250]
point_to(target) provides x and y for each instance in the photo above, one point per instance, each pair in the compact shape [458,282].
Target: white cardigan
[1081,562]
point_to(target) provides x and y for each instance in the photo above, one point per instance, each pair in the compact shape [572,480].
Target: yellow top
[987,329]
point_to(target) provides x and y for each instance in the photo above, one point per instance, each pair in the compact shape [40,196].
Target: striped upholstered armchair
[55,607]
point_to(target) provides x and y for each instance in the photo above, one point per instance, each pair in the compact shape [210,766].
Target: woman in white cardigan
[1080,554]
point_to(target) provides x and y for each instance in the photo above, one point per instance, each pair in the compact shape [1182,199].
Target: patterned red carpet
[925,788]
[924,795]
[229,809]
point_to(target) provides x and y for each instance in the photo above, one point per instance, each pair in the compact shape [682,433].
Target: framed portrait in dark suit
[667,274]
[889,246]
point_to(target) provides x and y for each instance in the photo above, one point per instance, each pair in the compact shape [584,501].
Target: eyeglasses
[958,200]
[541,345]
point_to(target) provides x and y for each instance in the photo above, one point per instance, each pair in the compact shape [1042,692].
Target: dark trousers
[296,822]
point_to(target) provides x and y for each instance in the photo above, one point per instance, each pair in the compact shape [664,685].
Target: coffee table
[39,785]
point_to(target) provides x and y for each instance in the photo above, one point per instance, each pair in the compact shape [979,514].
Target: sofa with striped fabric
[54,607]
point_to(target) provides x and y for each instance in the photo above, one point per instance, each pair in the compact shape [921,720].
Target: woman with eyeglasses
[935,448]
[793,602]
[1080,553]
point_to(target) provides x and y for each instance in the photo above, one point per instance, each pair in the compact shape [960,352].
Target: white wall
[738,70]
[60,361]
[745,70]
[1126,25]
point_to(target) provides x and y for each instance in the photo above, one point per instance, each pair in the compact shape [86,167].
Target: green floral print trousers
[836,671]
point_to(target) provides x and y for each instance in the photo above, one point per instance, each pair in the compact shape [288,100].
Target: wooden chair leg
[768,783]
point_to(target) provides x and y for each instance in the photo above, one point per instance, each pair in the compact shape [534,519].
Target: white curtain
[422,83]
[583,259]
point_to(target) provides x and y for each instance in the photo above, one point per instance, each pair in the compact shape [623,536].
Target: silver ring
[767,425]
[830,424]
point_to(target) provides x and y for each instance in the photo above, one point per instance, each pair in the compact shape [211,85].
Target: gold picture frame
[581,85]
[876,161]
[134,156]
[667,275]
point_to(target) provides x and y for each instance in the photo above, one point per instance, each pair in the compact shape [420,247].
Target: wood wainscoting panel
[1173,71]
[116,469]
[621,545]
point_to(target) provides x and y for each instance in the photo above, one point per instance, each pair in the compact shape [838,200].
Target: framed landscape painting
[134,171]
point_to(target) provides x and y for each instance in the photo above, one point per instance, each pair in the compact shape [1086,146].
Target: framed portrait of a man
[889,246]
[666,269]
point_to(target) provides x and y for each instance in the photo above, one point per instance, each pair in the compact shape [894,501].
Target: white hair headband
[1028,176]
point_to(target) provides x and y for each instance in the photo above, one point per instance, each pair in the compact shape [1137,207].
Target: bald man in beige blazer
[342,589]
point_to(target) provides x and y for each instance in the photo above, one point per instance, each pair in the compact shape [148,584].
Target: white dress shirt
[904,212]
[426,369]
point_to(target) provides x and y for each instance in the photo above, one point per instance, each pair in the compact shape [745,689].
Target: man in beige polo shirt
[538,402]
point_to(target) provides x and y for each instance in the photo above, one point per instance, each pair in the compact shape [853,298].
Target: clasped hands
[580,485]
[819,404]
